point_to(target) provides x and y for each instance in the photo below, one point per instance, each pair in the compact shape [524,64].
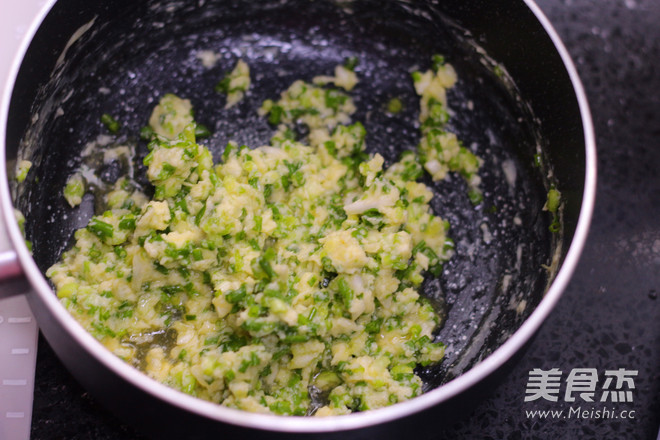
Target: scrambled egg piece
[440,150]
[235,84]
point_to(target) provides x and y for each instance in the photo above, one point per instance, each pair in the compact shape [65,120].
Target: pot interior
[127,54]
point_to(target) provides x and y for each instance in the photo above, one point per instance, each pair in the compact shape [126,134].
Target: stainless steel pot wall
[526,100]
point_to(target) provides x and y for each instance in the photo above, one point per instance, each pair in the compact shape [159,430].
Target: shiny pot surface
[526,100]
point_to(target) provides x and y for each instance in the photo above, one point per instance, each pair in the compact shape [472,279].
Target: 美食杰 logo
[591,395]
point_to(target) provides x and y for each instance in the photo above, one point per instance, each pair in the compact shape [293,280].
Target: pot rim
[302,424]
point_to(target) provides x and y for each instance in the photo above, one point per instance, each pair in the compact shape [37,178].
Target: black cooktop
[607,324]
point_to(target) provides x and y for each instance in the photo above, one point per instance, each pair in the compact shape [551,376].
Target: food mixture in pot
[282,278]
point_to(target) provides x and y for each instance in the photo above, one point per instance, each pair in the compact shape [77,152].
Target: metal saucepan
[518,99]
